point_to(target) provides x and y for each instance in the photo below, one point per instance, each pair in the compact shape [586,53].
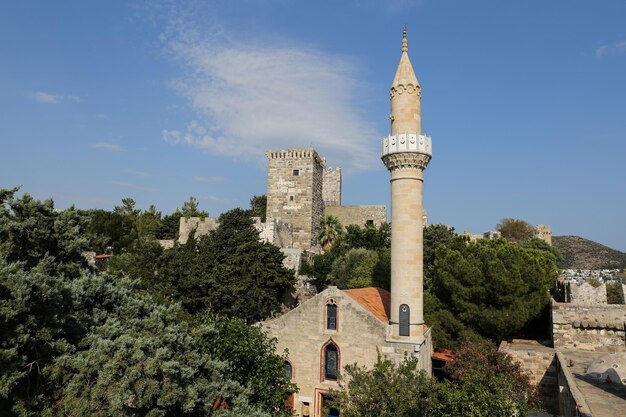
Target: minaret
[406,153]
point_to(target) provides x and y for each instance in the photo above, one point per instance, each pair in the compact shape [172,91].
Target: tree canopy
[515,230]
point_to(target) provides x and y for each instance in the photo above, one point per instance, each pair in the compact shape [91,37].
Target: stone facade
[359,335]
[589,327]
[195,227]
[358,215]
[294,192]
[331,191]
[544,232]
[586,293]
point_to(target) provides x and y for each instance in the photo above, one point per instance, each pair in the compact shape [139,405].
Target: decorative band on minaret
[406,154]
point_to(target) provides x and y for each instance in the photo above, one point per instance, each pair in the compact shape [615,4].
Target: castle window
[405,314]
[331,362]
[369,222]
[296,172]
[288,370]
[331,316]
[291,198]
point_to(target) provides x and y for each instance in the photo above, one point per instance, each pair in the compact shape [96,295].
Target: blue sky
[525,102]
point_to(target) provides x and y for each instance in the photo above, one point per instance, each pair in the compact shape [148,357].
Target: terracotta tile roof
[377,301]
[104,256]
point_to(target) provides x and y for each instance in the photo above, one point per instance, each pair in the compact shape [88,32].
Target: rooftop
[376,300]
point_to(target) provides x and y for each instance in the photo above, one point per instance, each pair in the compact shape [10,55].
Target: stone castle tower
[294,193]
[406,153]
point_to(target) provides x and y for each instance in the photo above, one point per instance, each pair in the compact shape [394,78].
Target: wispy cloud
[219,200]
[249,98]
[102,116]
[133,186]
[614,48]
[209,179]
[138,174]
[105,146]
[47,98]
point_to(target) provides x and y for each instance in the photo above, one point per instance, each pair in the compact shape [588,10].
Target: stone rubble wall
[276,232]
[196,225]
[571,401]
[358,215]
[331,190]
[587,293]
[592,327]
[539,363]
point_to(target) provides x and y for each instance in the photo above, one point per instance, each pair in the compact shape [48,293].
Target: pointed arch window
[288,370]
[331,315]
[405,314]
[331,362]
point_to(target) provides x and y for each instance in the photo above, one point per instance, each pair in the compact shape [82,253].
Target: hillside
[580,253]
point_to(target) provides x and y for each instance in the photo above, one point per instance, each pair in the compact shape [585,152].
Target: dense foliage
[484,383]
[229,271]
[515,230]
[76,343]
[491,287]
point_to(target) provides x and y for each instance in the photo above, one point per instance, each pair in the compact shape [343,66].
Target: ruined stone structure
[358,215]
[294,192]
[331,189]
[338,327]
[195,227]
[544,232]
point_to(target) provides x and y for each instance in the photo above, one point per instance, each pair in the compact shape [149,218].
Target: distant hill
[580,253]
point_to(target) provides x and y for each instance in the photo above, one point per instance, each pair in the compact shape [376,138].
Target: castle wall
[544,232]
[294,193]
[196,225]
[587,293]
[592,327]
[358,215]
[331,190]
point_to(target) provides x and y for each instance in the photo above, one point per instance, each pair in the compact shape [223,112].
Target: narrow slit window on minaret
[296,172]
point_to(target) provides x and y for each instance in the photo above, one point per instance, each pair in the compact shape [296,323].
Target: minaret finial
[405,43]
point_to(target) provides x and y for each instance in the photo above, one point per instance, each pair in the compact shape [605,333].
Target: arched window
[331,362]
[288,370]
[331,316]
[405,314]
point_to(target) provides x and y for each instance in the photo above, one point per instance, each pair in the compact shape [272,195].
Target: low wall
[571,401]
[592,327]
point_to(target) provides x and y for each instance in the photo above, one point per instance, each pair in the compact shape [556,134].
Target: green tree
[258,206]
[515,230]
[170,225]
[330,230]
[355,269]
[127,208]
[229,271]
[148,223]
[252,360]
[108,228]
[190,209]
[492,286]
[435,235]
[387,390]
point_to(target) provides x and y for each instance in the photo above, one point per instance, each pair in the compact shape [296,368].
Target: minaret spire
[405,42]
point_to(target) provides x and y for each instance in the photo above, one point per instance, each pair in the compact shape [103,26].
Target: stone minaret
[406,153]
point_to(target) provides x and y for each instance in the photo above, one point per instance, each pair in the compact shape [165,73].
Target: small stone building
[331,330]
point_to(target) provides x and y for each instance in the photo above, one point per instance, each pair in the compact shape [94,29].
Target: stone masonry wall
[586,293]
[332,187]
[199,226]
[539,363]
[593,327]
[294,192]
[358,215]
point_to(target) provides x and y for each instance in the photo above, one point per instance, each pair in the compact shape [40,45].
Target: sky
[161,100]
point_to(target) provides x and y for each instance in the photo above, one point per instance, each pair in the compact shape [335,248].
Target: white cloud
[47,98]
[219,200]
[614,48]
[138,174]
[105,146]
[132,186]
[250,98]
[102,116]
[209,179]
[42,97]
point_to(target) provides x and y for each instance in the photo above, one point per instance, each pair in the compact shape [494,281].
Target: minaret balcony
[406,143]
